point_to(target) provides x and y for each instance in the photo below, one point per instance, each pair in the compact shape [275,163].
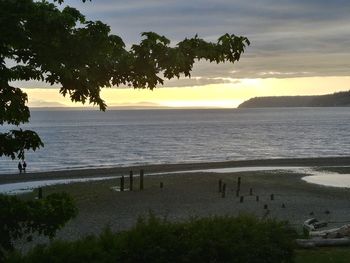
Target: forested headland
[339,99]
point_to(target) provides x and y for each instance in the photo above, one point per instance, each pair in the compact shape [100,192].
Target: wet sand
[115,171]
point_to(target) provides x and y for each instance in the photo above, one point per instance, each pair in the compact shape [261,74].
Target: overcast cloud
[290,38]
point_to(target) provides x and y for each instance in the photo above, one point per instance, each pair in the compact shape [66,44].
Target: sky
[297,47]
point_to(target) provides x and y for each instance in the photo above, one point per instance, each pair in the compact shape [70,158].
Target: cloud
[200,81]
[290,38]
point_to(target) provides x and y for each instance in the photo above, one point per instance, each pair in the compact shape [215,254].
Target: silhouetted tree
[40,42]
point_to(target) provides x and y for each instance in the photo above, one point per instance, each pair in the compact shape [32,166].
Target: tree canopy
[39,41]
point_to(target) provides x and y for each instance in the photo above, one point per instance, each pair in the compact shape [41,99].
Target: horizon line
[126,108]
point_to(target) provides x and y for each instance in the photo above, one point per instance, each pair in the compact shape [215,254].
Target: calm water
[83,139]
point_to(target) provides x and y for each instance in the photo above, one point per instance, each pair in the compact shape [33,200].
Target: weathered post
[122,184]
[251,191]
[241,199]
[272,197]
[239,183]
[223,193]
[257,198]
[131,181]
[265,206]
[40,193]
[220,185]
[141,179]
[161,185]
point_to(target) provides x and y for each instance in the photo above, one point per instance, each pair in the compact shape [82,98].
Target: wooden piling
[239,183]
[272,197]
[141,179]
[131,180]
[251,191]
[122,184]
[265,206]
[161,185]
[40,193]
[223,193]
[220,185]
[241,199]
[257,198]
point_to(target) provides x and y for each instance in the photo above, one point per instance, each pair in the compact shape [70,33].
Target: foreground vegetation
[20,219]
[216,239]
[323,255]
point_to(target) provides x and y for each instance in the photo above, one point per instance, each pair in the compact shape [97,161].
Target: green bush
[216,239]
[19,218]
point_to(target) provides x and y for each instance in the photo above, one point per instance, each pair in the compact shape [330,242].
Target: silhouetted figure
[24,165]
[20,167]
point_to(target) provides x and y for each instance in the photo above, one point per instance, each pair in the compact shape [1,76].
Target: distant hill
[339,99]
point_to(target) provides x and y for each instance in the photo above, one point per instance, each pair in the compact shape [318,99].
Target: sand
[187,195]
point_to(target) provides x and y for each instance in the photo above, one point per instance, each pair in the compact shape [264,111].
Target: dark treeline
[339,99]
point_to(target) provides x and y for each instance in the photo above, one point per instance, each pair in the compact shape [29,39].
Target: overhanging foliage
[40,42]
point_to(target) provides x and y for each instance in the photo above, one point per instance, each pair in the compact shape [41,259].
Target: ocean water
[84,139]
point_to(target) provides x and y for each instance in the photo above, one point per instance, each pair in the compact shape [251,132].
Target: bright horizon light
[202,104]
[224,95]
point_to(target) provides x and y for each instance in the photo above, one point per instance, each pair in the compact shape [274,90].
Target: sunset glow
[225,95]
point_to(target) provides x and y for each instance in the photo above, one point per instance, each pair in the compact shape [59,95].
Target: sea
[79,139]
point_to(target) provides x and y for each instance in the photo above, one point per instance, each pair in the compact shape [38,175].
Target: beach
[188,194]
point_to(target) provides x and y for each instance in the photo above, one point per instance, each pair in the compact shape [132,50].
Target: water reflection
[26,187]
[329,179]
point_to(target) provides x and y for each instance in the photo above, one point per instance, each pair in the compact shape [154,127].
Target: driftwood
[320,238]
[323,242]
[339,232]
[312,224]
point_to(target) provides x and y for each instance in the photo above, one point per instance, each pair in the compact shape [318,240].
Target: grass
[323,255]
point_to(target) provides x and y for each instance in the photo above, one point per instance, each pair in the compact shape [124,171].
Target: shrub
[215,239]
[20,218]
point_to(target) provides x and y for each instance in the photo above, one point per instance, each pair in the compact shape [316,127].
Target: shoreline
[154,168]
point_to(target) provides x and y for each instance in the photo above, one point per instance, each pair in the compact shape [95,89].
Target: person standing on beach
[24,165]
[20,167]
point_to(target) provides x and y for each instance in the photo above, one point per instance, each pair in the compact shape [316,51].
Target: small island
[339,99]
